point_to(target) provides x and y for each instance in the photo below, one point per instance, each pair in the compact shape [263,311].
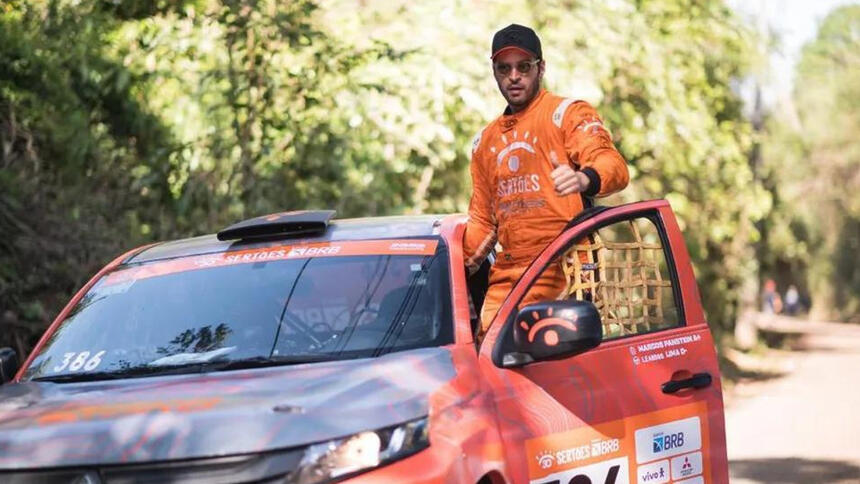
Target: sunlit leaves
[174,118]
[815,165]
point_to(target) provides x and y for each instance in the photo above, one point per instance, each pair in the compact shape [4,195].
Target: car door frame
[689,303]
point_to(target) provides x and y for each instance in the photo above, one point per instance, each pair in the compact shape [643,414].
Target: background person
[771,302]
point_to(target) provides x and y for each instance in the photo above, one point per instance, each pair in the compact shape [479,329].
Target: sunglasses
[523,67]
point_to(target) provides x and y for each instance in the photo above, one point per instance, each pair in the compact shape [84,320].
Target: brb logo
[664,442]
[668,439]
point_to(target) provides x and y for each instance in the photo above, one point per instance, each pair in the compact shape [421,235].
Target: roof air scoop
[301,222]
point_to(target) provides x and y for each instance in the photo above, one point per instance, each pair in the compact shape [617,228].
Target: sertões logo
[541,321]
[545,460]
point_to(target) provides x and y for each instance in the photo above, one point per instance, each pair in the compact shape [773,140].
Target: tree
[660,72]
[130,123]
[816,166]
[71,129]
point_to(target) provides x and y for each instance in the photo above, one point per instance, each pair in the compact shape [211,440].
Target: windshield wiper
[200,367]
[136,371]
[265,361]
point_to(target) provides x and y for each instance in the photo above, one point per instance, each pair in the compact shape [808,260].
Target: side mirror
[549,330]
[8,364]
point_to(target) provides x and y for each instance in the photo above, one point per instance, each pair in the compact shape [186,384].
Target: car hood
[214,414]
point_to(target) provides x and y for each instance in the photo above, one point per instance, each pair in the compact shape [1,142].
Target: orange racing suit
[514,201]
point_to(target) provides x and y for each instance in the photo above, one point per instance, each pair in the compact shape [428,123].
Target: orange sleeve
[589,147]
[481,233]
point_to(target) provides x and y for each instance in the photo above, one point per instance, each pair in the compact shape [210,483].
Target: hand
[566,179]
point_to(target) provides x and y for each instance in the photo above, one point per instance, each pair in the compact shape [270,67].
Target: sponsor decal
[516,185]
[410,247]
[547,320]
[592,125]
[612,471]
[313,251]
[695,480]
[546,460]
[476,141]
[687,465]
[510,207]
[322,249]
[207,261]
[575,449]
[668,439]
[656,473]
[668,442]
[251,256]
[651,447]
[604,447]
[515,144]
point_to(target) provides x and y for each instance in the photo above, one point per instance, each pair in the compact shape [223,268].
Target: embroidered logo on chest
[514,152]
[511,149]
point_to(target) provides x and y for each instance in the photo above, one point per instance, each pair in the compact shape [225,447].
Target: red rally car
[300,349]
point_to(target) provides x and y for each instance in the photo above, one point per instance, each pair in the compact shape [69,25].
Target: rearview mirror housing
[549,330]
[8,364]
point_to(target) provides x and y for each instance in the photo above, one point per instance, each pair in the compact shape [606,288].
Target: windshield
[284,304]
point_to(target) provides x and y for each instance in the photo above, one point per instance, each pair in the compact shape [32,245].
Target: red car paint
[597,417]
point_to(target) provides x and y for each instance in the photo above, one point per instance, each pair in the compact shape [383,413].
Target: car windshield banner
[411,247]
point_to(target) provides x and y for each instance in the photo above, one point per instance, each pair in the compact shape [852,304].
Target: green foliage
[661,72]
[70,126]
[815,167]
[126,122]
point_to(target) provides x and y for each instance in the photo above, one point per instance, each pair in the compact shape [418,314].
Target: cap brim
[510,48]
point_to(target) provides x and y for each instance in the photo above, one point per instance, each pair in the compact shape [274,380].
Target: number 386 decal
[613,471]
[81,361]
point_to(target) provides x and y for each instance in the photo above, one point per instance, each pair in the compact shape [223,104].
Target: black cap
[517,36]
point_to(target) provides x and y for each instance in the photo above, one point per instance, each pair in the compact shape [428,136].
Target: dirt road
[802,426]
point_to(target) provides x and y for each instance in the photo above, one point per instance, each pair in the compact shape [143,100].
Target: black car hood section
[214,414]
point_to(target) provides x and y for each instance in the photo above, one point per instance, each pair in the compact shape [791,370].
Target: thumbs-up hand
[565,178]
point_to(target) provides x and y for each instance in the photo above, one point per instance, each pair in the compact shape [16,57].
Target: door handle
[697,381]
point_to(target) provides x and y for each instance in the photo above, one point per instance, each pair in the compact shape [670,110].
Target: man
[531,171]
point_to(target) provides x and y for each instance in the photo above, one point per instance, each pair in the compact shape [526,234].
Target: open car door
[615,381]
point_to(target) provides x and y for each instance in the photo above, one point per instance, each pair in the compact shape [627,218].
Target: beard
[521,102]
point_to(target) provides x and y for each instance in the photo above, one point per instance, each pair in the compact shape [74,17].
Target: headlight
[337,459]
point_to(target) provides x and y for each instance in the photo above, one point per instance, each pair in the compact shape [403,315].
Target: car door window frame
[574,232]
[653,216]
